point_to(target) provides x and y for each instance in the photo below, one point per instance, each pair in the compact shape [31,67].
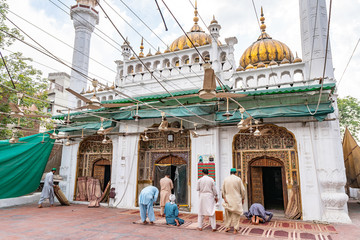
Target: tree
[27,79]
[349,111]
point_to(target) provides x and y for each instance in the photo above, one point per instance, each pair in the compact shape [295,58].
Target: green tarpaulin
[22,164]
[282,111]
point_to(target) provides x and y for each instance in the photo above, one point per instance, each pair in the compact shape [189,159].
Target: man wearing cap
[207,200]
[172,212]
[166,184]
[233,193]
[48,189]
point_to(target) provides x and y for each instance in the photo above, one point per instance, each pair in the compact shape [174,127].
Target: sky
[49,23]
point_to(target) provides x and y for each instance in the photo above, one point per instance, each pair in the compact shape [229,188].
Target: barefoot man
[207,200]
[233,193]
[166,185]
[48,189]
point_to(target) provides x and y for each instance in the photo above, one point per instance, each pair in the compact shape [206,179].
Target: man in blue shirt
[147,199]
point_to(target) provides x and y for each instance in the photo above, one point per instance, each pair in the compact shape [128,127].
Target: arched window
[79,103]
[111,97]
[166,63]
[138,68]
[223,56]
[185,60]
[103,98]
[298,75]
[195,58]
[206,56]
[156,65]
[148,65]
[176,62]
[130,69]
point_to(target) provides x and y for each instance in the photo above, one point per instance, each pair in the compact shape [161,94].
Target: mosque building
[269,114]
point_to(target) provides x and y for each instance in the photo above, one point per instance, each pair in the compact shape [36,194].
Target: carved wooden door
[99,173]
[257,193]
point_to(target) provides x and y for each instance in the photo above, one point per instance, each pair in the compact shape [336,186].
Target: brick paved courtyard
[80,222]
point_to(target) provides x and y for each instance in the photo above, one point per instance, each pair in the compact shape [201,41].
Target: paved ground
[80,222]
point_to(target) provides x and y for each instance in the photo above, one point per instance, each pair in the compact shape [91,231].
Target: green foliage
[349,110]
[27,79]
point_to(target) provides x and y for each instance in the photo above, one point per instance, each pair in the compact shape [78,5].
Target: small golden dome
[158,51]
[149,54]
[249,67]
[132,57]
[88,91]
[100,89]
[197,36]
[186,47]
[240,68]
[107,87]
[167,50]
[297,59]
[285,61]
[213,21]
[260,65]
[176,49]
[113,86]
[273,63]
[265,50]
[83,91]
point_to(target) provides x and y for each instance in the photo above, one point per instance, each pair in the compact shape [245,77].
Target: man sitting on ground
[172,212]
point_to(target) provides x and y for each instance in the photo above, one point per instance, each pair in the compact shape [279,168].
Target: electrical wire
[325,61]
[7,70]
[46,32]
[149,69]
[352,54]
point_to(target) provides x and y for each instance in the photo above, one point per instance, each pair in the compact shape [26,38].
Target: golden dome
[158,51]
[197,35]
[265,50]
[149,54]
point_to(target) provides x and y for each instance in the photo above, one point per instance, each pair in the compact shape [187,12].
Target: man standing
[147,198]
[207,200]
[48,189]
[233,193]
[166,185]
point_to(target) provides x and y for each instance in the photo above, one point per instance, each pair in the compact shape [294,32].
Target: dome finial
[141,54]
[196,19]
[262,19]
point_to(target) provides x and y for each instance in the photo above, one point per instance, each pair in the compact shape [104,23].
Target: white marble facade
[321,167]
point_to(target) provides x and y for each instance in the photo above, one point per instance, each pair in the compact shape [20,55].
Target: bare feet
[40,206]
[227,229]
[177,222]
[214,230]
[144,222]
[253,219]
[257,220]
[52,205]
[200,229]
[151,223]
[260,220]
[235,231]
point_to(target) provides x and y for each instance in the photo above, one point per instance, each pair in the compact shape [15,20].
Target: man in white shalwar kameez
[233,193]
[207,200]
[48,189]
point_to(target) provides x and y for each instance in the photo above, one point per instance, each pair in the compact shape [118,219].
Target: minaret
[85,17]
[313,24]
[126,52]
[214,29]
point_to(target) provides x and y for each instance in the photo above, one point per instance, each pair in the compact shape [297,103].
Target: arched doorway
[94,160]
[165,150]
[102,171]
[268,165]
[176,167]
[267,183]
